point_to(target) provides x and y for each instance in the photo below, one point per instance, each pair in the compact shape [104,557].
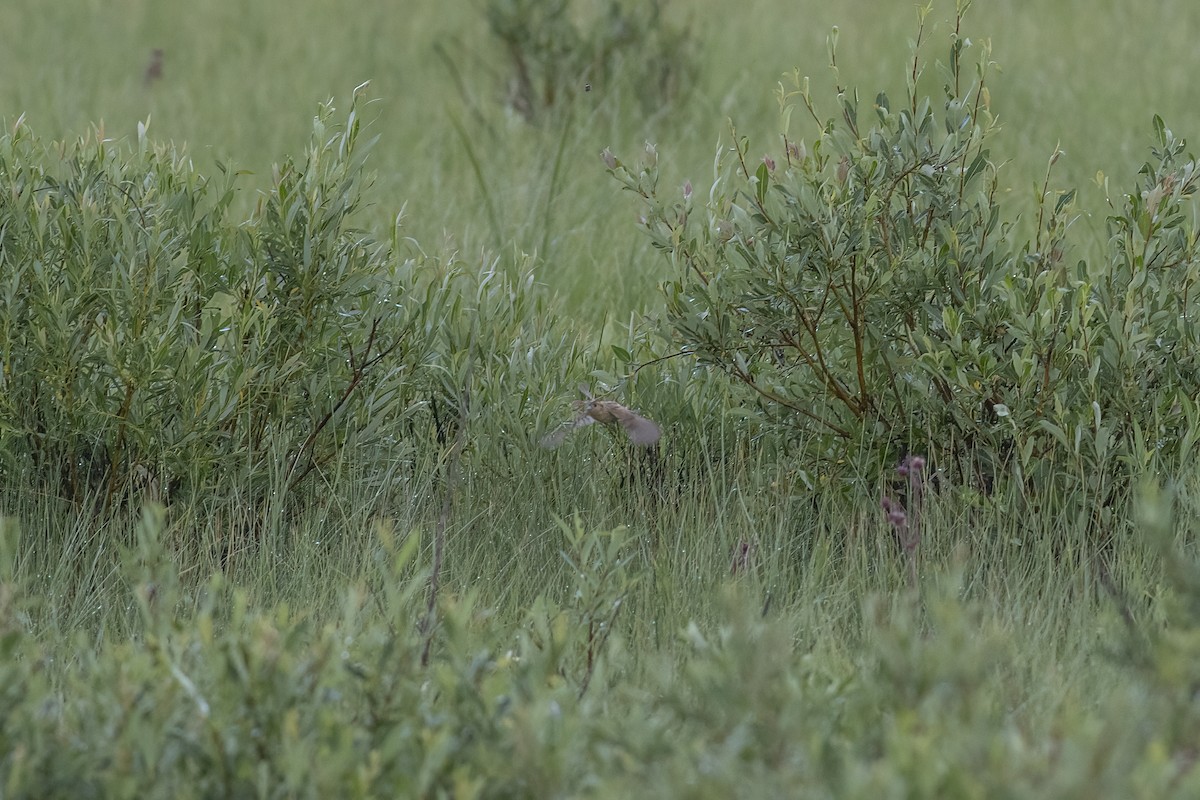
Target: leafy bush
[149,339]
[872,292]
[152,343]
[558,49]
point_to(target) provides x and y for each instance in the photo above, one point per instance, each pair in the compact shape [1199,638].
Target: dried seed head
[843,169]
[154,69]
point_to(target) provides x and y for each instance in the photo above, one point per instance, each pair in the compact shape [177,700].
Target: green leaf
[1064,200]
[882,105]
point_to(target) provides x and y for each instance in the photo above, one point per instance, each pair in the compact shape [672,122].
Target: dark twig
[596,644]
[451,469]
[358,372]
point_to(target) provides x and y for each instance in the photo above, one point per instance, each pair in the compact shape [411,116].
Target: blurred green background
[240,83]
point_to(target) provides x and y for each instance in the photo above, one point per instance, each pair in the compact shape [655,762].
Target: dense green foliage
[877,293]
[151,345]
[147,336]
[274,520]
[218,696]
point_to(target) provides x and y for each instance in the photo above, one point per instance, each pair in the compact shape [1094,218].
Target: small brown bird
[640,430]
[154,68]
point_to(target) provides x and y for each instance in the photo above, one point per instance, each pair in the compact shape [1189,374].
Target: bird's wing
[559,435]
[640,430]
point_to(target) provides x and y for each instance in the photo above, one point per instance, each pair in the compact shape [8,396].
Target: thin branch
[595,646]
[657,360]
[451,469]
[749,381]
[358,373]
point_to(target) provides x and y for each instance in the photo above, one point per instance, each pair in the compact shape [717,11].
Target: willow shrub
[152,342]
[873,292]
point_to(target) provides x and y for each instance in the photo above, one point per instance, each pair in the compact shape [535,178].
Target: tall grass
[755,631]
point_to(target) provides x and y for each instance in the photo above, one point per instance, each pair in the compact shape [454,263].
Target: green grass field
[240,85]
[724,621]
